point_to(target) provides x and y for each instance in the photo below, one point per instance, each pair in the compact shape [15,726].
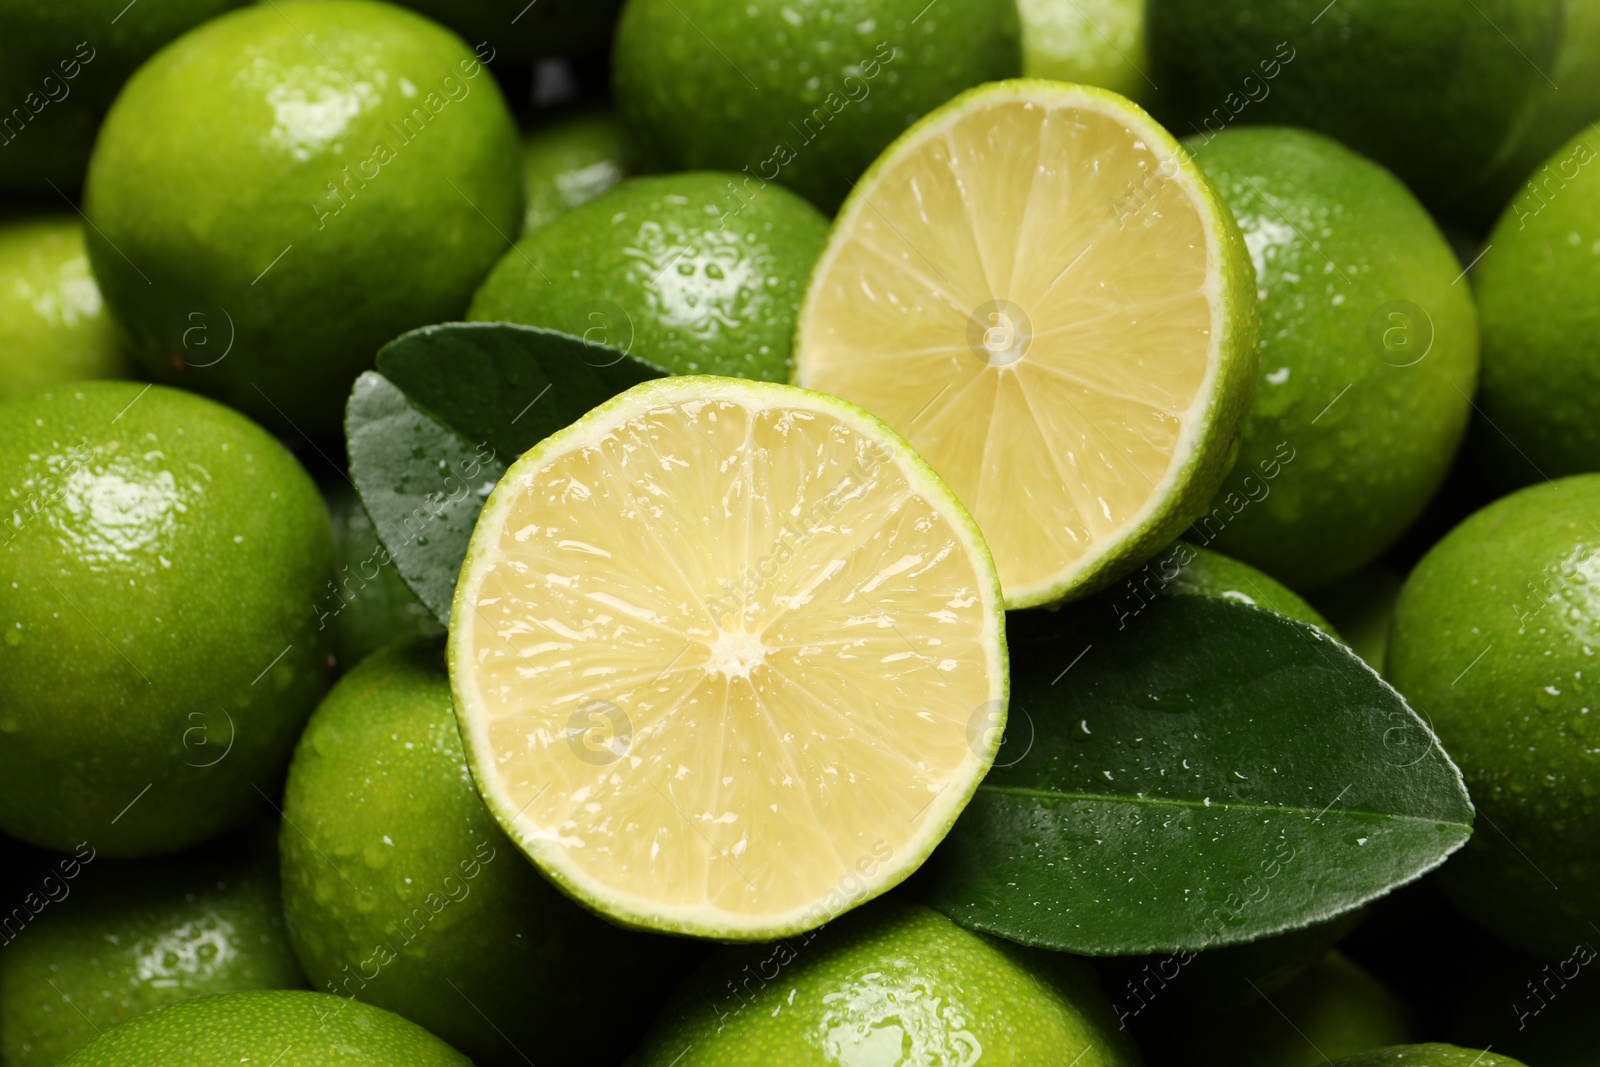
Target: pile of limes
[946,315]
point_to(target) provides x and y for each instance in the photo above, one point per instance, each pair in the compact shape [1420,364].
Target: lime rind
[638,910]
[1206,449]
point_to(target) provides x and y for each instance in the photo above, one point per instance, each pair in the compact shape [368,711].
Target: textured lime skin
[367,604]
[1208,573]
[285,130]
[1350,71]
[677,270]
[1201,472]
[523,31]
[158,653]
[1387,440]
[61,62]
[379,794]
[570,162]
[891,980]
[1541,327]
[138,936]
[1563,106]
[1427,1056]
[1091,42]
[803,94]
[1493,640]
[256,1027]
[53,325]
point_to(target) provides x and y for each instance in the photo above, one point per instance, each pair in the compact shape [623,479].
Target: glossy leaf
[1200,774]
[433,429]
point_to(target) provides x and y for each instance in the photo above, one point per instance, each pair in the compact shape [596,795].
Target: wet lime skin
[805,95]
[679,270]
[158,653]
[62,62]
[53,324]
[121,939]
[289,187]
[401,890]
[1495,639]
[891,982]
[259,1026]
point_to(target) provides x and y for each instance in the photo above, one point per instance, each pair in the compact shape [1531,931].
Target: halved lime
[1038,288]
[728,657]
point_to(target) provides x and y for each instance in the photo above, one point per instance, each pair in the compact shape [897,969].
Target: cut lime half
[728,657]
[1041,292]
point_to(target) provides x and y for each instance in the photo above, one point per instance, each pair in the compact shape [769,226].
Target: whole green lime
[523,30]
[1541,325]
[367,604]
[1091,42]
[158,653]
[889,983]
[61,62]
[261,1027]
[1361,606]
[1202,572]
[401,890]
[805,95]
[1369,356]
[285,189]
[1538,1011]
[1427,1056]
[137,936]
[1349,69]
[1564,105]
[681,270]
[53,325]
[1334,1009]
[570,162]
[1494,641]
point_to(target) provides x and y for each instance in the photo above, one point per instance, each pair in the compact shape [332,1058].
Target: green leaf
[1200,774]
[433,429]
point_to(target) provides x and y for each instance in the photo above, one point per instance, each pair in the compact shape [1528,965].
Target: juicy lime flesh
[1039,331]
[718,647]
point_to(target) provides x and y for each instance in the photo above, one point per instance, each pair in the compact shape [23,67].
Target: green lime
[1369,356]
[1361,606]
[53,325]
[1201,572]
[137,936]
[1427,1056]
[1334,1009]
[523,30]
[401,890]
[1349,69]
[366,604]
[1538,1011]
[1541,356]
[1493,641]
[1565,104]
[893,983]
[805,95]
[159,653]
[680,270]
[570,162]
[1091,42]
[61,62]
[260,1028]
[285,189]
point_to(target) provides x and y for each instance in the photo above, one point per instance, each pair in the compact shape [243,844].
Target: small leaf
[1210,774]
[433,429]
